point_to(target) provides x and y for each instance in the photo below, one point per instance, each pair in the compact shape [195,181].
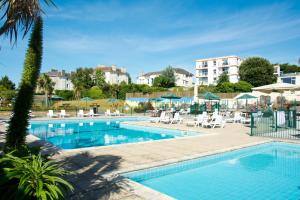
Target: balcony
[203,75]
[202,67]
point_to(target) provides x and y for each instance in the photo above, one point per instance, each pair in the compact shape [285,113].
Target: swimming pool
[268,171]
[89,133]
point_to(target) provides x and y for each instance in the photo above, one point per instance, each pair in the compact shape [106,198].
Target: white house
[61,79]
[114,75]
[292,78]
[183,77]
[208,70]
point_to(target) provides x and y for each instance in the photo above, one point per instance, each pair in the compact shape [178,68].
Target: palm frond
[19,16]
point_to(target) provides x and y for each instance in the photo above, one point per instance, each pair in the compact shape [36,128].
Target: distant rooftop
[177,70]
[113,68]
[56,73]
[214,58]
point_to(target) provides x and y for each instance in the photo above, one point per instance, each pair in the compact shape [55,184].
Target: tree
[82,80]
[115,90]
[288,68]
[129,78]
[46,85]
[257,71]
[223,78]
[100,78]
[18,124]
[6,83]
[166,79]
[19,15]
[65,94]
[94,92]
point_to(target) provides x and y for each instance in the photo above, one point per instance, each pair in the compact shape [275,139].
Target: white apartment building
[208,70]
[61,79]
[291,78]
[183,78]
[114,75]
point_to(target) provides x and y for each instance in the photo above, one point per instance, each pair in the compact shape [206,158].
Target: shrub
[31,177]
[143,107]
[65,94]
[242,86]
[95,92]
[226,87]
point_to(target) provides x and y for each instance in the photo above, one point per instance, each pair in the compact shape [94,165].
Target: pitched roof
[56,73]
[177,70]
[182,71]
[111,69]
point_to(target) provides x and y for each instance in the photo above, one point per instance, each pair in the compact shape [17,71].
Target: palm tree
[46,85]
[19,16]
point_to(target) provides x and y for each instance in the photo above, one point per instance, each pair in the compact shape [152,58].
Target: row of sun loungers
[204,120]
[81,113]
[166,119]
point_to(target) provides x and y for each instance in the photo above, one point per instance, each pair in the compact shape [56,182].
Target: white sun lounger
[51,114]
[158,119]
[91,113]
[81,113]
[218,121]
[177,118]
[118,113]
[63,114]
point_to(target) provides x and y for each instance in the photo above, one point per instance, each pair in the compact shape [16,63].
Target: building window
[205,64]
[215,71]
[290,80]
[215,62]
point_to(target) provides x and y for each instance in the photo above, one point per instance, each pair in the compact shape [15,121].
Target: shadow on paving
[87,177]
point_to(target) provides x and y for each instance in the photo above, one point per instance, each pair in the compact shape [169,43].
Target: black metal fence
[275,124]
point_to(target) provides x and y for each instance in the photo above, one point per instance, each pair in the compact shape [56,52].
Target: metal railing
[275,124]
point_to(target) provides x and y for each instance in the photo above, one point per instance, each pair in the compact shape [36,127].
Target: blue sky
[149,35]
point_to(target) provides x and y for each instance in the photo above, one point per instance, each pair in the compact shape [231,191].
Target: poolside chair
[245,120]
[158,119]
[205,122]
[108,113]
[177,118]
[81,113]
[200,119]
[51,114]
[214,115]
[118,113]
[218,122]
[237,117]
[63,114]
[197,121]
[30,114]
[91,113]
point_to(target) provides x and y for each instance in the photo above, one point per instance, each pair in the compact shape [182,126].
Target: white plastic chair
[158,119]
[177,118]
[63,114]
[51,114]
[80,113]
[218,122]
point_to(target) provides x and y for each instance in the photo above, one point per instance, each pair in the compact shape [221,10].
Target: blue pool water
[268,171]
[79,134]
